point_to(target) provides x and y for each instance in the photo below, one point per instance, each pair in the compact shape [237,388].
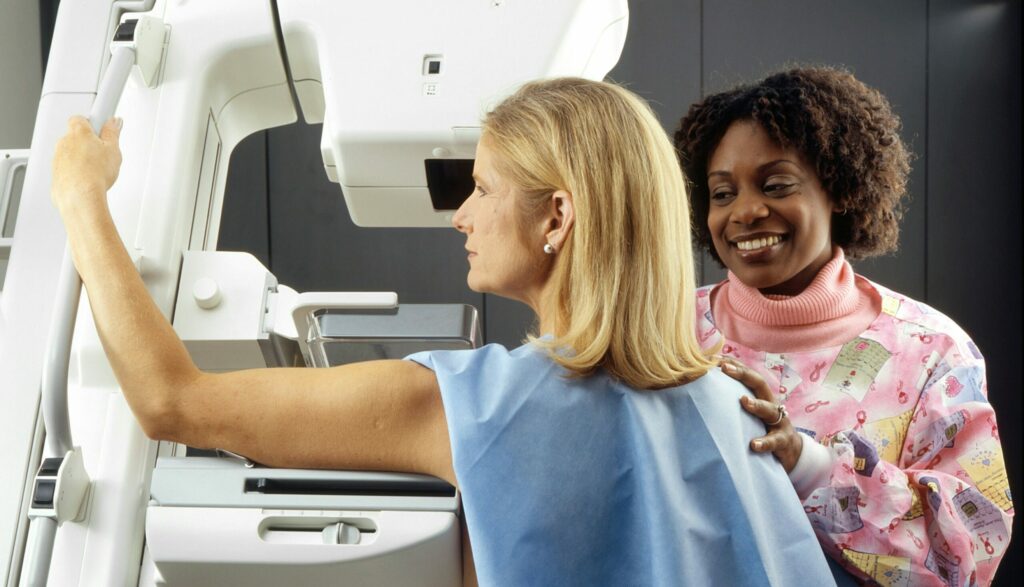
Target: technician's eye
[779,190]
[722,197]
[480,191]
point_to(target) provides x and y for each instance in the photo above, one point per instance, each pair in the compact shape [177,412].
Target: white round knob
[206,293]
[441,152]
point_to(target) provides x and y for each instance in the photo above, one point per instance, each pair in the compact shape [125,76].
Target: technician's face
[770,219]
[498,261]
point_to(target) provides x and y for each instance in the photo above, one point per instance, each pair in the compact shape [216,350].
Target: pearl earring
[550,250]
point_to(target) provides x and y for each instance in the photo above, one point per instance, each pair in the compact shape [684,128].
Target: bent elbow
[159,410]
[158,420]
[154,431]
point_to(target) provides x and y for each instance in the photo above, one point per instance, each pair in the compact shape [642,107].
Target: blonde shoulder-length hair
[622,290]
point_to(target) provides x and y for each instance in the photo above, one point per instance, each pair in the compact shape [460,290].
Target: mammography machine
[400,87]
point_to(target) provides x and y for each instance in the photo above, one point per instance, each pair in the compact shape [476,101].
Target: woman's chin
[757,279]
[476,284]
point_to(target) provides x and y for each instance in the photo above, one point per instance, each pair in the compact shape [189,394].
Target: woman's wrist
[81,200]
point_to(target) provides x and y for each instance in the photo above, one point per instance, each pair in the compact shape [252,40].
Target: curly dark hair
[844,129]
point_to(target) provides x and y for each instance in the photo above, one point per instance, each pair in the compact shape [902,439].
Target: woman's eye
[721,197]
[480,191]
[778,189]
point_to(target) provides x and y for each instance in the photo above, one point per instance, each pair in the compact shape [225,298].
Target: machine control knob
[206,293]
[341,533]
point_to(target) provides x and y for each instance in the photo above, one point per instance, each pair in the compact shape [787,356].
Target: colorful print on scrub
[918,494]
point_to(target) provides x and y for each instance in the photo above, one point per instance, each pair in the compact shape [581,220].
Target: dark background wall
[950,68]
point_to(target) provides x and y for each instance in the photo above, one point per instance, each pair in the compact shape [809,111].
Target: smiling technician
[876,404]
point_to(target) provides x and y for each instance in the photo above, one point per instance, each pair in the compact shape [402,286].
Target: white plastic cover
[383,110]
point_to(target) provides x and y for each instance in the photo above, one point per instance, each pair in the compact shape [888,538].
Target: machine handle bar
[69,284]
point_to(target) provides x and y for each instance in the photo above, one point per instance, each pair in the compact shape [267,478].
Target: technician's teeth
[758,243]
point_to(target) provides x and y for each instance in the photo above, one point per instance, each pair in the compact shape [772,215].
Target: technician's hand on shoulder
[85,165]
[782,439]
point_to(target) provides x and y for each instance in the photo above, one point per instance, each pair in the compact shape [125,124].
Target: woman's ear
[561,219]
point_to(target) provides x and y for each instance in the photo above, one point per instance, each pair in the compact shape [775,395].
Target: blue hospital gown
[588,482]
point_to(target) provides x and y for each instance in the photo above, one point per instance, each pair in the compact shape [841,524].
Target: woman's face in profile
[769,217]
[499,262]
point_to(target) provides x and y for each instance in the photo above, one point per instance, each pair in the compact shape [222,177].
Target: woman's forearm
[149,360]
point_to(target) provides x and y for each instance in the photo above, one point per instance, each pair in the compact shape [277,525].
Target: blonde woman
[607,450]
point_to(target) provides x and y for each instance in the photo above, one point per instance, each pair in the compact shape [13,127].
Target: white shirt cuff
[812,469]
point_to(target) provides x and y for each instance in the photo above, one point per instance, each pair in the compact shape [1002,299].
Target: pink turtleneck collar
[835,308]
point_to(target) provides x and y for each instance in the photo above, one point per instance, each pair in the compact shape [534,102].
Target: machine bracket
[60,488]
[146,36]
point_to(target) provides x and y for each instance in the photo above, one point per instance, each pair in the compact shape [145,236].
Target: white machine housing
[383,110]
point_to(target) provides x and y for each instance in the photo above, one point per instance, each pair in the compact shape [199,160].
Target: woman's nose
[748,208]
[460,220]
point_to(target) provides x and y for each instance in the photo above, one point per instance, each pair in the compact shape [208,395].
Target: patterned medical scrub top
[918,494]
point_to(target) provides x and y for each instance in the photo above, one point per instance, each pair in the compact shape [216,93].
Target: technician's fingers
[783,440]
[775,441]
[785,443]
[747,377]
[767,411]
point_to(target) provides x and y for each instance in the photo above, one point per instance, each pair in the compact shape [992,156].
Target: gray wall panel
[883,43]
[661,59]
[974,205]
[244,218]
[21,72]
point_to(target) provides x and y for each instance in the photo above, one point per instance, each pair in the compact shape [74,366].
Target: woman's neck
[835,308]
[797,284]
[829,295]
[545,310]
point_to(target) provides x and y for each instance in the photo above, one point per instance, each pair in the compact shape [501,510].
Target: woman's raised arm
[381,415]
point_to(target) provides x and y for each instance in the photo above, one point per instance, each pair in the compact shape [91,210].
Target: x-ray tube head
[434,75]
